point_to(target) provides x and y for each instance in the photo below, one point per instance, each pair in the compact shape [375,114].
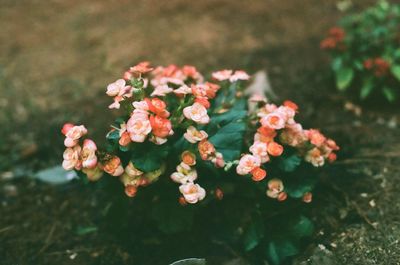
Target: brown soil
[56,58]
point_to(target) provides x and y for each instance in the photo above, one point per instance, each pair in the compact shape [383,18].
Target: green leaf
[149,158]
[289,164]
[337,63]
[344,76]
[254,233]
[84,230]
[395,69]
[302,227]
[171,217]
[229,140]
[296,186]
[366,89]
[390,94]
[113,135]
[279,250]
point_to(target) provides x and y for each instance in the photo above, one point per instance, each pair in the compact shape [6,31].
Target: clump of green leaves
[365,51]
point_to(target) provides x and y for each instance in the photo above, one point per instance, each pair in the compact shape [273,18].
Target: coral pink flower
[259,149]
[72,158]
[307,197]
[141,68]
[222,75]
[157,106]
[66,127]
[206,149]
[239,75]
[193,136]
[191,71]
[161,91]
[192,192]
[274,121]
[161,127]
[203,101]
[293,135]
[315,137]
[138,127]
[274,149]
[88,154]
[267,109]
[197,113]
[247,163]
[125,139]
[93,174]
[130,190]
[258,174]
[188,158]
[291,104]
[265,135]
[113,166]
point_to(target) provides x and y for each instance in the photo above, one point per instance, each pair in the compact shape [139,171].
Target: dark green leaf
[289,164]
[279,250]
[171,217]
[303,227]
[344,76]
[296,186]
[149,158]
[84,230]
[366,89]
[254,233]
[229,139]
[113,135]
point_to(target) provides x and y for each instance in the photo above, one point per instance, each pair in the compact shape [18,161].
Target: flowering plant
[212,139]
[365,51]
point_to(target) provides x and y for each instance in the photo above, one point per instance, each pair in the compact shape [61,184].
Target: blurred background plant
[365,51]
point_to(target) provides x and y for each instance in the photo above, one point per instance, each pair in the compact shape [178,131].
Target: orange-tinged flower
[206,149]
[113,166]
[274,149]
[130,190]
[258,174]
[291,104]
[315,137]
[161,127]
[332,157]
[188,158]
[307,197]
[282,196]
[192,135]
[125,139]
[157,106]
[274,121]
[192,192]
[219,194]
[141,68]
[203,101]
[247,163]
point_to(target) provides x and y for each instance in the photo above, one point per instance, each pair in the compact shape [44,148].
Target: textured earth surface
[57,56]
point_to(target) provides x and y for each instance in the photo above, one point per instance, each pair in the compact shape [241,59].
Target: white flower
[247,163]
[197,113]
[193,136]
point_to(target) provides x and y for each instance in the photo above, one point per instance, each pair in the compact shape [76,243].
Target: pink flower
[192,192]
[138,127]
[257,98]
[72,158]
[274,121]
[66,127]
[193,136]
[222,75]
[140,106]
[73,134]
[259,149]
[218,160]
[183,90]
[132,171]
[293,135]
[161,127]
[197,113]
[157,140]
[315,137]
[141,68]
[239,75]
[161,91]
[267,109]
[88,154]
[247,163]
[118,88]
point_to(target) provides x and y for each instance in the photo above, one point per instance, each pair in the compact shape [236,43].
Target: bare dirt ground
[56,58]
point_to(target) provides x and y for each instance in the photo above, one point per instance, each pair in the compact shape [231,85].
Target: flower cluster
[177,124]
[379,66]
[334,41]
[365,53]
[277,129]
